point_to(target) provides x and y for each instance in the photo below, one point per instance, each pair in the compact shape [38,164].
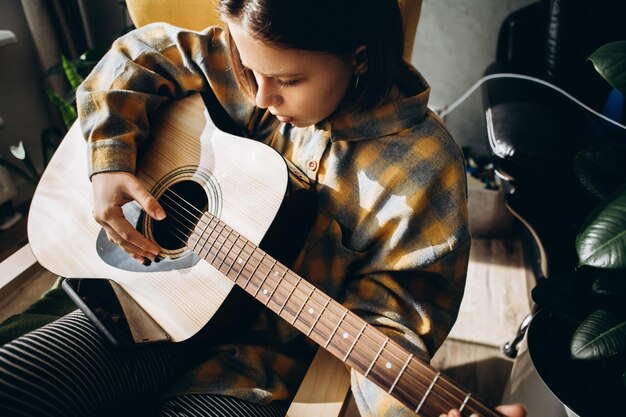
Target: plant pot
[549,383]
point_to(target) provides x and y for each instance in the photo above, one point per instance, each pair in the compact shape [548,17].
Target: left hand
[513,410]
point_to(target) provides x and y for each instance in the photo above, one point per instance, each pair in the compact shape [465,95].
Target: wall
[455,42]
[22,96]
[23,102]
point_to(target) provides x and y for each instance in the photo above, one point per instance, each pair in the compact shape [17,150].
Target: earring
[356,84]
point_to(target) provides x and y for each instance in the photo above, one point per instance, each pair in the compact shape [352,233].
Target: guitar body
[239,181]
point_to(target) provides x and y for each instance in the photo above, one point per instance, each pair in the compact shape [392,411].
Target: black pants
[66,369]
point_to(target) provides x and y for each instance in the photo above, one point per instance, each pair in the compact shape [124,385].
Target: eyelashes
[282,83]
[287,83]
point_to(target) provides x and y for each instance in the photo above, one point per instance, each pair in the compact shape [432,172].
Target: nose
[266,95]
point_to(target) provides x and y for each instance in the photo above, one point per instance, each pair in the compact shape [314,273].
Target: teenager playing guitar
[322,82]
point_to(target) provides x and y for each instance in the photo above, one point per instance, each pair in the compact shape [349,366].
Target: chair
[535,132]
[324,390]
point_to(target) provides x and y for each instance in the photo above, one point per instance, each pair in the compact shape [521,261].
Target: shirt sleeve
[142,70]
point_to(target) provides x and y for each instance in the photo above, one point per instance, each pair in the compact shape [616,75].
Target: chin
[298,123]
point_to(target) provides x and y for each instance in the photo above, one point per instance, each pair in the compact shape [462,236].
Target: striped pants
[67,369]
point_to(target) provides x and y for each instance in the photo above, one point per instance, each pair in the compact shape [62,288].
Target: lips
[284,119]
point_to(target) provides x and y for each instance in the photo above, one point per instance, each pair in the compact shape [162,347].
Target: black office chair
[535,131]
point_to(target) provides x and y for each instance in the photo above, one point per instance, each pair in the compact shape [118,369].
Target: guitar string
[305,301]
[398,388]
[294,285]
[200,220]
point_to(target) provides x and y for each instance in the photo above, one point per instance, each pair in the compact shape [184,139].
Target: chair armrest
[323,390]
[534,131]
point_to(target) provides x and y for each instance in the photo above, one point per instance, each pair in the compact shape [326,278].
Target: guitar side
[245,181]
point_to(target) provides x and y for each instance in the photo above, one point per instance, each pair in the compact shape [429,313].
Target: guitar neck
[335,328]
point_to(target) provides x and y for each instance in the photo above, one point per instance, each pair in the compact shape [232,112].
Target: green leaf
[600,169]
[602,242]
[601,335]
[610,62]
[68,112]
[71,73]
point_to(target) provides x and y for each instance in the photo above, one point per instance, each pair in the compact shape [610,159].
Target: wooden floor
[495,302]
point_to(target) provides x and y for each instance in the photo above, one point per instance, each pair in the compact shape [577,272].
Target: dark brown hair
[328,26]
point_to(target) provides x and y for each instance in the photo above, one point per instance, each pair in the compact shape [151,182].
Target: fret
[345,313]
[241,263]
[282,276]
[219,250]
[400,373]
[354,341]
[318,316]
[465,402]
[207,239]
[265,278]
[376,357]
[200,236]
[236,258]
[430,388]
[289,296]
[306,300]
[255,268]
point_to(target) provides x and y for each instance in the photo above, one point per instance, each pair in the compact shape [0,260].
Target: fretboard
[335,328]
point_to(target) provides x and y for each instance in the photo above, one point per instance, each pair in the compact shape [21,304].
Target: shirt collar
[389,118]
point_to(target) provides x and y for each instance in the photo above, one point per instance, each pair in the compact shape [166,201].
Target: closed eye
[287,83]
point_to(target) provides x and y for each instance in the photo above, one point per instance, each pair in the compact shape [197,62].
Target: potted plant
[577,340]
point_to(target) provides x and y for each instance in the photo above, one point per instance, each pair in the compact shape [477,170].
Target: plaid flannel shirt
[390,239]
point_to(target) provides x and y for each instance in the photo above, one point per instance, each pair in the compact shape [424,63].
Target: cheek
[324,98]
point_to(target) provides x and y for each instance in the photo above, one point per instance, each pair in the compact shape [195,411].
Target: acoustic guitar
[221,193]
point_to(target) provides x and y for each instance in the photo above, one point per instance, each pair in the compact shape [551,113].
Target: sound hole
[184,203]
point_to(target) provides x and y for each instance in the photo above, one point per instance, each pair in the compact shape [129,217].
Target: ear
[359,60]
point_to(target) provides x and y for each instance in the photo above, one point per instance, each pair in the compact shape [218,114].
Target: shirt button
[312,164]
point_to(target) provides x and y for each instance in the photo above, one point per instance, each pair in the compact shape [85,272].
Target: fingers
[123,234]
[147,202]
[511,410]
[111,191]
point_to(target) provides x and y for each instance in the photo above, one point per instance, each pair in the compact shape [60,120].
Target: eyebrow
[277,75]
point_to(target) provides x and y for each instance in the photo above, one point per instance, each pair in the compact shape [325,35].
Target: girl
[324,84]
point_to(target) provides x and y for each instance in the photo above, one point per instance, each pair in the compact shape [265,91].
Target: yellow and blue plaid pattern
[390,239]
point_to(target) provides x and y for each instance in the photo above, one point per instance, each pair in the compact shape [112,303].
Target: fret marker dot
[240,260]
[345,335]
[265,292]
[388,365]
[275,273]
[311,311]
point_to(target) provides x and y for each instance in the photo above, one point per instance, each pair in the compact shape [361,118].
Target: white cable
[478,83]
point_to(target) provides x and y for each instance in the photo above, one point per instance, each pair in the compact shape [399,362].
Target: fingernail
[157,259]
[160,214]
[146,262]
